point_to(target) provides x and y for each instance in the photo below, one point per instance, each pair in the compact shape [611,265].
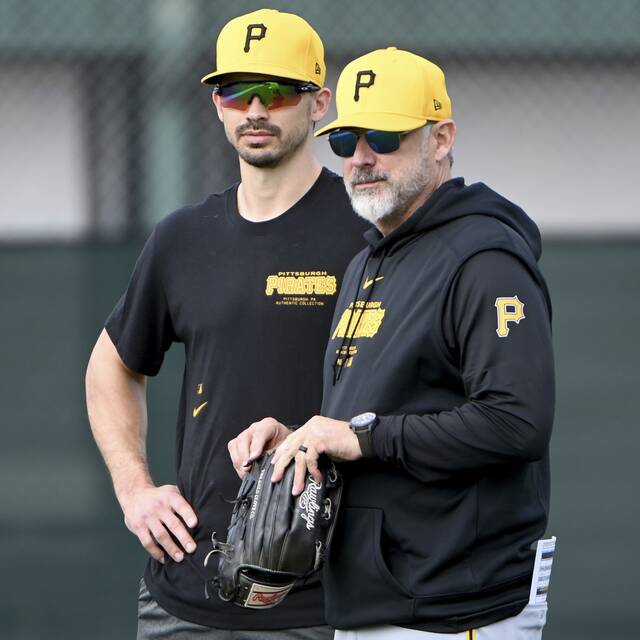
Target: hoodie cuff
[382,436]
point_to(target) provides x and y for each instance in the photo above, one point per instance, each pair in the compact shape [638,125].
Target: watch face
[363,420]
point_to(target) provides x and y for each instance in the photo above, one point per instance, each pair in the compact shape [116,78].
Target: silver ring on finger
[303,448]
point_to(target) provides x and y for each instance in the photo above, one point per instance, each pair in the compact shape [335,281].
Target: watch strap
[365,442]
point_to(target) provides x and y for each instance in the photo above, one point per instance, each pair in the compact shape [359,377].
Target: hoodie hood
[450,201]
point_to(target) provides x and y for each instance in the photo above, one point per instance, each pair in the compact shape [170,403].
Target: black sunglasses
[343,143]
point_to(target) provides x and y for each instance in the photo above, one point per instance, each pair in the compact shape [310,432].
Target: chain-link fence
[105,128]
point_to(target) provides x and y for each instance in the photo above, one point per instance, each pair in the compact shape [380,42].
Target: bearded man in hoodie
[438,381]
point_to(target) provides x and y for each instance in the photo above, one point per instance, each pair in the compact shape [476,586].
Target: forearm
[116,404]
[472,437]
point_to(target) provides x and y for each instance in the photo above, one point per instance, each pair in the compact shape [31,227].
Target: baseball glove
[275,539]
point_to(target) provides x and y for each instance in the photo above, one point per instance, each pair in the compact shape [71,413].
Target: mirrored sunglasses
[343,143]
[273,95]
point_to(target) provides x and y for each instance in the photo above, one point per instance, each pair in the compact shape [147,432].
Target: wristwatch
[363,425]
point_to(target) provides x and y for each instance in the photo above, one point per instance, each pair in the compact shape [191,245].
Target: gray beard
[390,200]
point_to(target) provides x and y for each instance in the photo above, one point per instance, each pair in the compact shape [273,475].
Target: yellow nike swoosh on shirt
[197,410]
[368,283]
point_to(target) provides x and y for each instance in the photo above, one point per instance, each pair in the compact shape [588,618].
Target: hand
[261,436]
[319,435]
[151,513]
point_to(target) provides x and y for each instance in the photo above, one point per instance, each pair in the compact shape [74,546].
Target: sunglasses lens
[383,141]
[343,143]
[273,95]
[237,95]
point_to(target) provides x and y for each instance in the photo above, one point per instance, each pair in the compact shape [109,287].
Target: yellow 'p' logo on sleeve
[508,310]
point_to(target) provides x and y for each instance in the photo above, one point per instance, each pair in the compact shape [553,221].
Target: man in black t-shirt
[247,282]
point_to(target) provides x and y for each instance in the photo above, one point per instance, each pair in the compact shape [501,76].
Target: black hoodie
[442,328]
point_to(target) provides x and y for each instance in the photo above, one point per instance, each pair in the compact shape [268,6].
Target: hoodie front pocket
[376,545]
[359,588]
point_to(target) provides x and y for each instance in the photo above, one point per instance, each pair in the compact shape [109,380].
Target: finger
[242,447]
[184,510]
[300,474]
[278,452]
[258,442]
[162,538]
[147,541]
[288,447]
[246,468]
[232,447]
[177,529]
[280,466]
[311,458]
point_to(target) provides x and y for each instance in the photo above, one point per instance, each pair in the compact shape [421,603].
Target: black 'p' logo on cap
[262,32]
[361,84]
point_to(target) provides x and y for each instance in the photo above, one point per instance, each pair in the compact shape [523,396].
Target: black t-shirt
[252,303]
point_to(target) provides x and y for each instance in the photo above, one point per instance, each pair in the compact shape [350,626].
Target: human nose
[364,155]
[256,110]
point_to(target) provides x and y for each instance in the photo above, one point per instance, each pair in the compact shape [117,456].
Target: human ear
[321,101]
[217,103]
[444,134]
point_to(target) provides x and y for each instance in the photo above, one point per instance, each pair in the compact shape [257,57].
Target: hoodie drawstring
[342,355]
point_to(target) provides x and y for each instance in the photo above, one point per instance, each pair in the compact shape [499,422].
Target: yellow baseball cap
[390,90]
[272,43]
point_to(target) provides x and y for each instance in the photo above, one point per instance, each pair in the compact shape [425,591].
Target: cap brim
[260,70]
[379,121]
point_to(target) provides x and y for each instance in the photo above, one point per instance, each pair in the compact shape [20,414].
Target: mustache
[258,126]
[358,176]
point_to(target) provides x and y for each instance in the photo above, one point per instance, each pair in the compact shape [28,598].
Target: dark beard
[273,158]
[261,161]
